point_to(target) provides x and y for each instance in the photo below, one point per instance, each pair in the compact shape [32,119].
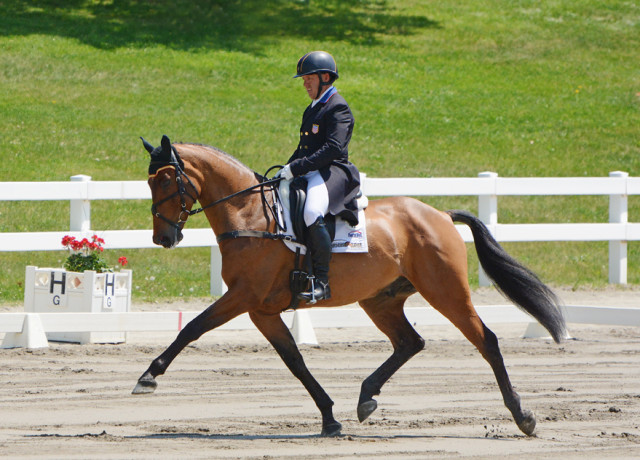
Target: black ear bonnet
[164,155]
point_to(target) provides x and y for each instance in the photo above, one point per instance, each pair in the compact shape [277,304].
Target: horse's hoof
[332,429]
[528,424]
[145,386]
[366,408]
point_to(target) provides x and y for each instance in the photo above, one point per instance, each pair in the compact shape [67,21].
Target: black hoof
[366,408]
[332,429]
[528,423]
[145,385]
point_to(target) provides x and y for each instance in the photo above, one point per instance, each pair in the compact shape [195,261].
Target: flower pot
[55,290]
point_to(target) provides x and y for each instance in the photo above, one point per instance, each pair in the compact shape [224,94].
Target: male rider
[323,159]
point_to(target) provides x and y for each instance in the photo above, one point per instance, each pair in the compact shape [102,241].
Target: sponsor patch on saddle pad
[348,239]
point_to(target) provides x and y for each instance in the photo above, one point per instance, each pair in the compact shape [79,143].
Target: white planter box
[55,290]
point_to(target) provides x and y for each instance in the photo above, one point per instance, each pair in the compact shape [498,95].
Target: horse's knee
[192,331]
[411,346]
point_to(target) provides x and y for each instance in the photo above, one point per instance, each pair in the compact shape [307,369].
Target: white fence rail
[29,330]
[488,186]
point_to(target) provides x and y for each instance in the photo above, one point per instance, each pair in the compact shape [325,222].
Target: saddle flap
[297,199]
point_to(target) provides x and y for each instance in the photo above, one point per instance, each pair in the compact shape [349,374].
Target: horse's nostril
[163,241]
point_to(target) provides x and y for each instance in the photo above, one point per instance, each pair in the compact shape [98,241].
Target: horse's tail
[515,281]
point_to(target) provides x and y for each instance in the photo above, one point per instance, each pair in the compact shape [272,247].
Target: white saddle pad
[348,239]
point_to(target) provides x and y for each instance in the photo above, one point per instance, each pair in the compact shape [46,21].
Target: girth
[252,234]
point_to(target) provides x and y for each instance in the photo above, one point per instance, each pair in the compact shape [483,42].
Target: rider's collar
[325,96]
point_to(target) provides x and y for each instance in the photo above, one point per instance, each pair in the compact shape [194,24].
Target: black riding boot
[320,248]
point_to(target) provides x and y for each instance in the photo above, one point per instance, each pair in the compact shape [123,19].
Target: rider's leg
[319,241]
[317,204]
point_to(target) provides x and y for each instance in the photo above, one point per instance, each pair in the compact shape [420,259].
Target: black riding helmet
[317,62]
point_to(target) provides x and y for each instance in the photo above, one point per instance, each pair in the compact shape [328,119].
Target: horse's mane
[218,151]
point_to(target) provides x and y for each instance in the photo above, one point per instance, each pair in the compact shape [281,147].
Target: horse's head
[172,193]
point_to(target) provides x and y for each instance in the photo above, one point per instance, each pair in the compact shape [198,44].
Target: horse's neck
[218,180]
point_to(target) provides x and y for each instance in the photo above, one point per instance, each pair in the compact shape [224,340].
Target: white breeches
[317,204]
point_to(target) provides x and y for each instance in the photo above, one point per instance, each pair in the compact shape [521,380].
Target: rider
[323,159]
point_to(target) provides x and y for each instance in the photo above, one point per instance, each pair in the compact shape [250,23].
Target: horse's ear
[166,143]
[150,148]
[165,154]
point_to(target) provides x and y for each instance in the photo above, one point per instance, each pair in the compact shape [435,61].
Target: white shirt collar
[325,96]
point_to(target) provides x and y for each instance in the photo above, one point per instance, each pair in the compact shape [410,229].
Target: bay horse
[412,248]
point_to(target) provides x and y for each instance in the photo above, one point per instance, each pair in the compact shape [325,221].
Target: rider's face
[311,83]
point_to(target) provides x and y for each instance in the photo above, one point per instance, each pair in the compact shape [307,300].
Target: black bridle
[182,193]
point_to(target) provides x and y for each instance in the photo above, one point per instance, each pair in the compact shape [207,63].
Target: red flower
[83,257]
[66,240]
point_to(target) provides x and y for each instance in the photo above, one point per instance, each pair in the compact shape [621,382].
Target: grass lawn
[438,89]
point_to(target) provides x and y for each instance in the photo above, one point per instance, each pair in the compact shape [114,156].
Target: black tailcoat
[324,137]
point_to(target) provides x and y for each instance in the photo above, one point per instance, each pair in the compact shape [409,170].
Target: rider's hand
[285,173]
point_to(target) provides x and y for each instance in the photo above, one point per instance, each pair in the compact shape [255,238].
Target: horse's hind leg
[387,314]
[448,292]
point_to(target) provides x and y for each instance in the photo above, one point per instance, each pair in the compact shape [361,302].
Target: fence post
[618,248]
[217,286]
[80,210]
[487,213]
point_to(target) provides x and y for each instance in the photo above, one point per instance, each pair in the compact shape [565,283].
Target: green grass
[439,89]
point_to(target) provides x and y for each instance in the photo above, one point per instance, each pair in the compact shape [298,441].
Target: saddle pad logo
[315,129]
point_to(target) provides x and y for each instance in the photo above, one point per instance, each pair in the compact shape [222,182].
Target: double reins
[182,192]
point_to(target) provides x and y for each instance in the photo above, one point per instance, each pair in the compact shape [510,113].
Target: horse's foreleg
[215,315]
[276,332]
[387,314]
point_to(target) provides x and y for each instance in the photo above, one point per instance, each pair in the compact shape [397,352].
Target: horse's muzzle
[168,241]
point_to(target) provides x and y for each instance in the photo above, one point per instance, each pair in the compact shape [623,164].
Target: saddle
[297,199]
[299,277]
[290,198]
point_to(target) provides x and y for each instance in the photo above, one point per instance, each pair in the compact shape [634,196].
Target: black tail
[515,281]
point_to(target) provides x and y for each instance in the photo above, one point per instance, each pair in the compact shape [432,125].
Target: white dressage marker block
[537,331]
[32,335]
[302,329]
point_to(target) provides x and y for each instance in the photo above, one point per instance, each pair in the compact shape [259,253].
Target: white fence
[28,329]
[488,186]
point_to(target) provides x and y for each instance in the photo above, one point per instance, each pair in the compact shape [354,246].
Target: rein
[233,195]
[182,192]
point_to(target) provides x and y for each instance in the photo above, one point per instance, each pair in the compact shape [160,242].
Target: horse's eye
[165,183]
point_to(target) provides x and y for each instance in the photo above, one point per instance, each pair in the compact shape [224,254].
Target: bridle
[182,193]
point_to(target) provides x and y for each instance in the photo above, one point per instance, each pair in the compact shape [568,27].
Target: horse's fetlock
[158,366]
[326,408]
[369,388]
